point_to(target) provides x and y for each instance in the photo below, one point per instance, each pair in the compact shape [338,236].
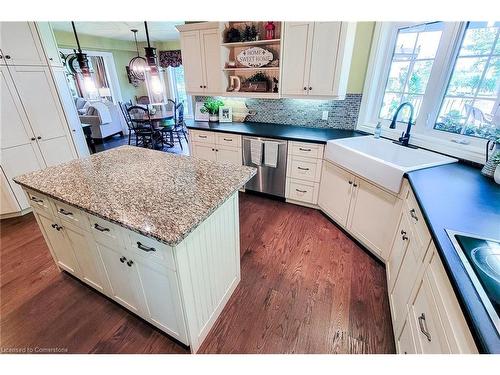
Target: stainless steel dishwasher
[268,179]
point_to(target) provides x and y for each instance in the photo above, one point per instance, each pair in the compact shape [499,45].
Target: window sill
[442,146]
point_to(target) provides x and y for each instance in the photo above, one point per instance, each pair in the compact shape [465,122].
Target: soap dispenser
[378,130]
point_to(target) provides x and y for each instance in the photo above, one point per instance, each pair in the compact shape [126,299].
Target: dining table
[160,121]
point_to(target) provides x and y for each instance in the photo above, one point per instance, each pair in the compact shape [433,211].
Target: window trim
[423,132]
[173,91]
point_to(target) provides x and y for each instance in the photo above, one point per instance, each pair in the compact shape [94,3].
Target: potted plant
[211,106]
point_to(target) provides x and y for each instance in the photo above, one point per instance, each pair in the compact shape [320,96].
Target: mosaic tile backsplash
[342,114]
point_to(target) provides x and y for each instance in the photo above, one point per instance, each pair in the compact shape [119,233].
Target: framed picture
[225,114]
[198,115]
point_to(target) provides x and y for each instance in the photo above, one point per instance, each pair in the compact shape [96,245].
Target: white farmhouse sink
[381,160]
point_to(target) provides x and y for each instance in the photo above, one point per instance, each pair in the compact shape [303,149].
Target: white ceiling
[158,31]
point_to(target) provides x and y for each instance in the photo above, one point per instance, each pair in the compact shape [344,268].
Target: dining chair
[145,133]
[179,124]
[126,116]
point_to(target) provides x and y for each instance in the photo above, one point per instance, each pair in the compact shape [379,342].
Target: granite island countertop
[278,131]
[457,197]
[157,194]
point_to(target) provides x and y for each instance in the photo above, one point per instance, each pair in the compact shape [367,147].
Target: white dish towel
[256,151]
[271,154]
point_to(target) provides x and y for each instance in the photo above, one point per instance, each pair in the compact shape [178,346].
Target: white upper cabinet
[192,61]
[20,44]
[49,43]
[201,57]
[316,58]
[296,57]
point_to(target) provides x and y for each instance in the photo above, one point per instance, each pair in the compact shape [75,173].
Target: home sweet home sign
[254,57]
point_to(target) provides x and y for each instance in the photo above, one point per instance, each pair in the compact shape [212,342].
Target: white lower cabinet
[429,334]
[405,342]
[365,210]
[216,147]
[203,151]
[123,278]
[163,304]
[144,275]
[62,252]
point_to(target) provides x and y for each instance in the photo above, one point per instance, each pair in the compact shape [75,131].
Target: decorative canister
[213,118]
[491,162]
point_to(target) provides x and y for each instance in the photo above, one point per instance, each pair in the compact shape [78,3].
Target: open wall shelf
[231,50]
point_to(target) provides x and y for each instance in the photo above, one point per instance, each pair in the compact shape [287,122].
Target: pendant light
[154,74]
[83,63]
[138,64]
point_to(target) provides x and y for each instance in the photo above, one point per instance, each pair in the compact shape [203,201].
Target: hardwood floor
[305,288]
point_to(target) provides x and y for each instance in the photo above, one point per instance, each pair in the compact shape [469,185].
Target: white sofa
[104,117]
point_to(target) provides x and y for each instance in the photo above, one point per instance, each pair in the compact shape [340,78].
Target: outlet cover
[324,116]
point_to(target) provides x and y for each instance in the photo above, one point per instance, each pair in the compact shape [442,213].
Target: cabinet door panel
[398,251]
[192,61]
[49,43]
[373,216]
[296,58]
[8,202]
[17,161]
[406,344]
[89,262]
[20,41]
[335,192]
[429,333]
[56,150]
[61,249]
[230,154]
[123,282]
[162,296]
[40,99]
[210,42]
[14,124]
[204,151]
[325,45]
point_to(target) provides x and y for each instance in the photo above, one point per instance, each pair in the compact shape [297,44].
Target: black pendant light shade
[81,57]
[138,64]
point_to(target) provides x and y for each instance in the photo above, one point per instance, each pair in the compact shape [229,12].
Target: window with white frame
[178,87]
[471,102]
[449,71]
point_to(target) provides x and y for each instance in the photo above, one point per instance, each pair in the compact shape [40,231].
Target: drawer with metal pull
[225,139]
[417,223]
[304,168]
[310,150]
[302,191]
[150,248]
[106,232]
[39,201]
[71,214]
[202,136]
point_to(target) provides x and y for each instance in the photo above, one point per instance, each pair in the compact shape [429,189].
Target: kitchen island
[158,233]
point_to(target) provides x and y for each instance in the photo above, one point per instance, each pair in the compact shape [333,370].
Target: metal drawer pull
[64,212]
[55,226]
[202,136]
[413,215]
[304,149]
[228,139]
[35,199]
[123,259]
[130,262]
[355,185]
[99,228]
[145,248]
[303,169]
[404,237]
[301,191]
[423,326]
[350,182]
[403,231]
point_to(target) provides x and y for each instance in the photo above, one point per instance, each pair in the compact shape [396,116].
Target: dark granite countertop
[458,197]
[287,132]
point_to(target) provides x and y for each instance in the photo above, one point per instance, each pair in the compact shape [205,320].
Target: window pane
[419,77]
[411,65]
[466,75]
[389,105]
[479,39]
[469,106]
[397,76]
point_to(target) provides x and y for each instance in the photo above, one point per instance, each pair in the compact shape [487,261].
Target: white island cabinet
[173,263]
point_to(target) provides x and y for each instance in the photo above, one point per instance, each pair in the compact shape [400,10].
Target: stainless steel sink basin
[380,160]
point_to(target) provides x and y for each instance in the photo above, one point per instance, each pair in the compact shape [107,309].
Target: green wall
[360,56]
[123,51]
